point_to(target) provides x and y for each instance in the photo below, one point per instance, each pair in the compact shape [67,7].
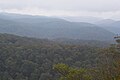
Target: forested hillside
[59,39]
[51,28]
[23,58]
[32,59]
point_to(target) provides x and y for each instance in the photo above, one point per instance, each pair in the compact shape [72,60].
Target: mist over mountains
[109,24]
[55,28]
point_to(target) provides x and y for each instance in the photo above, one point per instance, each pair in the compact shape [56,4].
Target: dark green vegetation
[51,28]
[32,59]
[107,68]
[23,58]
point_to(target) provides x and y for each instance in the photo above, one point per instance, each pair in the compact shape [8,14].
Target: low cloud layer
[96,8]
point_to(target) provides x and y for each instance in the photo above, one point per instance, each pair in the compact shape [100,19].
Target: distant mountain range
[109,24]
[52,28]
[87,19]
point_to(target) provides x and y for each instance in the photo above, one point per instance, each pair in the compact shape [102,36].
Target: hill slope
[111,25]
[23,58]
[52,28]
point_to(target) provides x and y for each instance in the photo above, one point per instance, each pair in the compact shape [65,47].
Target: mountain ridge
[51,28]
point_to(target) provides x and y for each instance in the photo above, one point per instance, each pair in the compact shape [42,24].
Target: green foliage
[109,64]
[24,58]
[69,73]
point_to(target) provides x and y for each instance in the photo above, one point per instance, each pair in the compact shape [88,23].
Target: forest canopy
[23,58]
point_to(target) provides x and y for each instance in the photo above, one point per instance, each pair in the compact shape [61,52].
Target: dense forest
[23,58]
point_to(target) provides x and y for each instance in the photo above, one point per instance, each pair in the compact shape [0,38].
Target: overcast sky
[95,8]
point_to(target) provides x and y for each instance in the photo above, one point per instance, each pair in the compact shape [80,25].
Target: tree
[69,73]
[109,64]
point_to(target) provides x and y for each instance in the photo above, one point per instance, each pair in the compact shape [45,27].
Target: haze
[95,8]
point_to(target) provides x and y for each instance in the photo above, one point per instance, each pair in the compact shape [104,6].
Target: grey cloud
[74,5]
[96,8]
